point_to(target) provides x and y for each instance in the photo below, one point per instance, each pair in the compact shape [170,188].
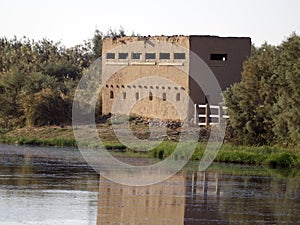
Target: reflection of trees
[54,171]
[285,200]
[246,200]
[210,197]
[259,199]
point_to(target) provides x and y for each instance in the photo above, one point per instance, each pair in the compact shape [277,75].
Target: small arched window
[124,95]
[150,96]
[137,96]
[178,97]
[164,96]
[111,94]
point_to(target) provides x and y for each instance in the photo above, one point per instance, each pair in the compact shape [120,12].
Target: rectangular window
[150,55]
[164,55]
[136,55]
[110,55]
[218,57]
[179,55]
[123,55]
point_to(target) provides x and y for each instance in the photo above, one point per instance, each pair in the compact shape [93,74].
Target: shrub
[282,159]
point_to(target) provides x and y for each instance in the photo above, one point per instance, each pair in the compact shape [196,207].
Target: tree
[46,107]
[28,69]
[249,101]
[286,111]
[97,44]
[11,113]
[264,108]
[38,78]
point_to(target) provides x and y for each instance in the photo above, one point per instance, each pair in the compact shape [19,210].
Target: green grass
[41,142]
[266,156]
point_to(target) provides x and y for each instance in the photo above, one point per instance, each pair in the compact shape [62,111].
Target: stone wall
[155,88]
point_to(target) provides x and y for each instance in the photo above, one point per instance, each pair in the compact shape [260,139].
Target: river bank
[267,156]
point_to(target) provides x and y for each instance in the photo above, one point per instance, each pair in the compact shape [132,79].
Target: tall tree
[264,108]
[250,100]
[286,111]
[97,44]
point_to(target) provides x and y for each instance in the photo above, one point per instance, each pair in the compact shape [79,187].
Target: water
[53,186]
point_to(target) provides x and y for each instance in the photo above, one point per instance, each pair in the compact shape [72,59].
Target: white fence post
[208,113]
[195,114]
[219,114]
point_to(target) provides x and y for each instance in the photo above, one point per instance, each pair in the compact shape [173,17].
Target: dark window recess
[179,55]
[137,96]
[150,96]
[136,55]
[150,55]
[111,94]
[110,56]
[123,55]
[218,57]
[124,95]
[164,55]
[178,97]
[164,96]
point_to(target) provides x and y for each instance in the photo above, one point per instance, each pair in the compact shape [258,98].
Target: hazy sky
[71,22]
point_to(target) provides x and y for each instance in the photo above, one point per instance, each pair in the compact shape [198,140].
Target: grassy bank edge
[267,156]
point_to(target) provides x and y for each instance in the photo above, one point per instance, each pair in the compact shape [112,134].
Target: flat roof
[174,36]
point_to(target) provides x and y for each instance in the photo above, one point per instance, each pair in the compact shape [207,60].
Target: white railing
[210,114]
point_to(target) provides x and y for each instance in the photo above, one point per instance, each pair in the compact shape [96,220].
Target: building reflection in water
[163,203]
[49,183]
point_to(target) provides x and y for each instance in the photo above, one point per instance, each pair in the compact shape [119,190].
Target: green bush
[282,160]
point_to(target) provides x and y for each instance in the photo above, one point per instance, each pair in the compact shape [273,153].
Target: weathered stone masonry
[150,75]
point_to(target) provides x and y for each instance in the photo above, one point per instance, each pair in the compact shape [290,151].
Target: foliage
[287,106]
[97,44]
[38,79]
[282,159]
[33,81]
[264,107]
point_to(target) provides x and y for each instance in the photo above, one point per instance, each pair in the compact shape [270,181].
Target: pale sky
[72,22]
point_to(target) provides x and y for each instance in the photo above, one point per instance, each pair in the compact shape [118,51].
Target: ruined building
[151,76]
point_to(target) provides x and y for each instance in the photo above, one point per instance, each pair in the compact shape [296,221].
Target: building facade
[150,76]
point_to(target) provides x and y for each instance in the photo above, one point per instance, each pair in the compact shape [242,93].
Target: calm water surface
[54,186]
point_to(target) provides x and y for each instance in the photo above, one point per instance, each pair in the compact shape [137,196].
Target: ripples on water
[41,186]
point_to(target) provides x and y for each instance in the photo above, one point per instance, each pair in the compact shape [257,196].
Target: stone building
[151,76]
